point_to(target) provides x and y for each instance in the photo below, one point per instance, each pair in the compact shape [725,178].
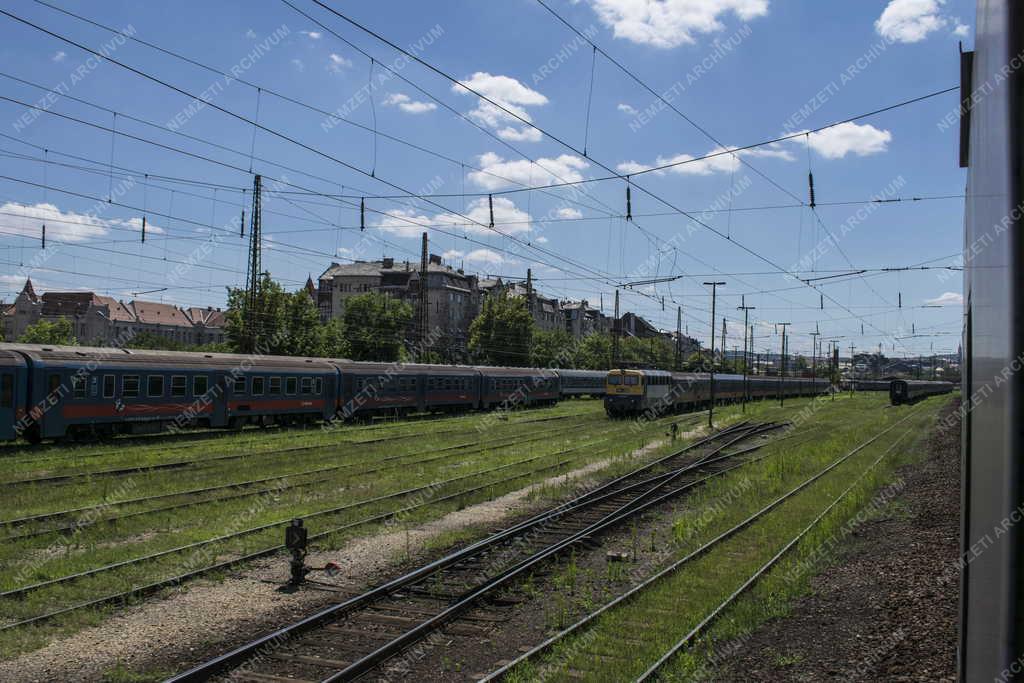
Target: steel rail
[244,652]
[381,517]
[473,448]
[628,509]
[201,462]
[714,614]
[547,644]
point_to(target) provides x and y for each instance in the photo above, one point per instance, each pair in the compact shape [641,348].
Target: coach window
[7,391]
[130,386]
[275,386]
[614,379]
[307,385]
[239,387]
[318,387]
[290,385]
[78,386]
[178,385]
[631,380]
[108,386]
[200,383]
[155,386]
[257,386]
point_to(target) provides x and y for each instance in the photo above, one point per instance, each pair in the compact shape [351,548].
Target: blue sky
[744,71]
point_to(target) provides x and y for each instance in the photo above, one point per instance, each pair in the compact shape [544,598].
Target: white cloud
[508,218]
[59,56]
[628,109]
[250,34]
[570,213]
[406,104]
[564,168]
[961,30]
[312,35]
[524,134]
[486,257]
[508,93]
[541,240]
[849,138]
[299,66]
[910,21]
[670,23]
[337,63]
[686,164]
[947,299]
[64,226]
[452,254]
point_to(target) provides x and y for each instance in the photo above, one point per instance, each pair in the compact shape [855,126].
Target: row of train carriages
[58,392]
[655,392]
[901,391]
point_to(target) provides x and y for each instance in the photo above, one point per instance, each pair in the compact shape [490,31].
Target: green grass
[585,433]
[626,640]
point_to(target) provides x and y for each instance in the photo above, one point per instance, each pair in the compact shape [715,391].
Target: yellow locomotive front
[624,392]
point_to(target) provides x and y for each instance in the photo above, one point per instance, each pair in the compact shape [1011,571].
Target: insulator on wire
[900,295]
[821,301]
[490,206]
[143,228]
[241,225]
[44,235]
[913,328]
[810,183]
[862,329]
[629,203]
[362,214]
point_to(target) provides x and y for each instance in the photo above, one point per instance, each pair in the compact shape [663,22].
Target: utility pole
[852,384]
[615,332]
[679,339]
[254,269]
[529,291]
[782,365]
[424,317]
[711,385]
[723,341]
[814,355]
[747,341]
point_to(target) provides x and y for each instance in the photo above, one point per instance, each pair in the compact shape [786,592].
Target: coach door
[219,395]
[8,401]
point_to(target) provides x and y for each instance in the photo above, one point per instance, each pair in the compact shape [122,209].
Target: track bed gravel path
[887,609]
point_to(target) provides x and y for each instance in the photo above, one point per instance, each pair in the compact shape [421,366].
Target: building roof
[29,291]
[152,313]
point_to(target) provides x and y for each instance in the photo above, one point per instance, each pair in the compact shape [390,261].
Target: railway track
[204,461]
[658,662]
[434,496]
[88,516]
[356,635]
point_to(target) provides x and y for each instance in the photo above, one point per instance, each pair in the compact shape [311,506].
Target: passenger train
[911,390]
[57,392]
[634,392]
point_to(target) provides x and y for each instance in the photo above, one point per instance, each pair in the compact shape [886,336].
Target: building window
[130,386]
[178,385]
[290,386]
[108,386]
[275,386]
[155,386]
[257,386]
[200,383]
[239,387]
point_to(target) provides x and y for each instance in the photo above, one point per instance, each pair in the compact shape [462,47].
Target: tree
[503,332]
[552,349]
[286,324]
[59,332]
[594,352]
[375,326]
[150,340]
